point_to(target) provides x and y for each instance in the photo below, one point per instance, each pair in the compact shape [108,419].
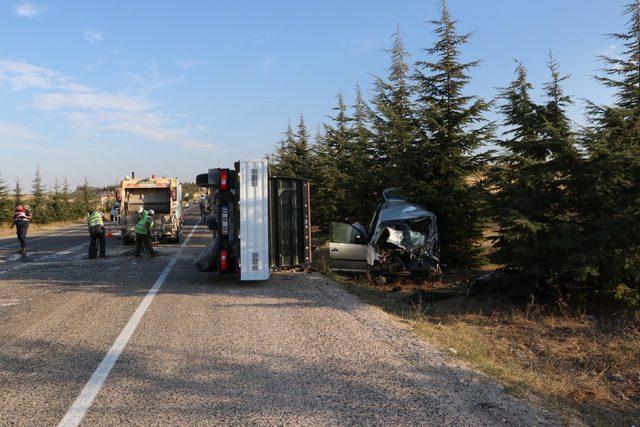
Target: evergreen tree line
[564,199]
[59,203]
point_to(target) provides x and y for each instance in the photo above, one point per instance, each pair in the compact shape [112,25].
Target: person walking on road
[143,229]
[95,222]
[21,218]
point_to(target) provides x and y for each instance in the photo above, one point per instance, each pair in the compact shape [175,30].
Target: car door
[347,248]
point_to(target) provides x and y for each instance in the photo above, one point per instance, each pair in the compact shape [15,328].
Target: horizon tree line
[58,203]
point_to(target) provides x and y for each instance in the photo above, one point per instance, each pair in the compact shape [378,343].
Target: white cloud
[267,63]
[23,76]
[28,10]
[98,113]
[90,101]
[185,64]
[93,36]
[15,133]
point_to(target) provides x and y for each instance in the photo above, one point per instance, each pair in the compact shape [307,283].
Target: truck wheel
[127,240]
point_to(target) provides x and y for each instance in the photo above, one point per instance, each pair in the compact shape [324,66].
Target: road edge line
[85,399]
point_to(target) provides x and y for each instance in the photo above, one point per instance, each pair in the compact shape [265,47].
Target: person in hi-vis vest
[143,229]
[95,222]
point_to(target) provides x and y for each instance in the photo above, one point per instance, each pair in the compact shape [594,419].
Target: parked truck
[162,195]
[258,222]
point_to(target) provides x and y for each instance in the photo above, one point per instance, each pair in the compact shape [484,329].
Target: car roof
[398,209]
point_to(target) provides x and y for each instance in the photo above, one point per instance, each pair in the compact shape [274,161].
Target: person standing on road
[202,211]
[21,219]
[95,222]
[143,229]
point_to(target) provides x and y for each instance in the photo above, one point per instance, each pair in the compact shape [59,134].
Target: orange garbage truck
[162,195]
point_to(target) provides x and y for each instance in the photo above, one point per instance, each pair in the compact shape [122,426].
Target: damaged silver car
[402,240]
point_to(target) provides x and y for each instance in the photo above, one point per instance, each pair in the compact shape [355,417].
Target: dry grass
[577,365]
[5,231]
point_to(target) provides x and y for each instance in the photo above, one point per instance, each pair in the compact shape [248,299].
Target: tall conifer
[609,182]
[39,202]
[18,195]
[5,202]
[393,120]
[452,127]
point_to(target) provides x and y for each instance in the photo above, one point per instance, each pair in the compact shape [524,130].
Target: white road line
[35,239]
[78,410]
[27,264]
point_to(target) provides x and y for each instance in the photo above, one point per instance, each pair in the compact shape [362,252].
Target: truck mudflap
[207,259]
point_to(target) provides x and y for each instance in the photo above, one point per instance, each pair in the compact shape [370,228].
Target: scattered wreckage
[402,240]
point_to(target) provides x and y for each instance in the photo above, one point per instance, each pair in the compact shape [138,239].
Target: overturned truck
[402,240]
[258,222]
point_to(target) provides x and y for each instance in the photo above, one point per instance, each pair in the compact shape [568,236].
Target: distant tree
[18,195]
[39,202]
[609,182]
[6,210]
[84,199]
[66,208]
[445,159]
[56,202]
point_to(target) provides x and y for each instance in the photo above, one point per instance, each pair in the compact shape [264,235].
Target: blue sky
[99,88]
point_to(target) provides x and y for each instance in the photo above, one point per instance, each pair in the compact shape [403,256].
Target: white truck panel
[254,219]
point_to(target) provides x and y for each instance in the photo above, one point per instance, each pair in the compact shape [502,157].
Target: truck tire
[127,240]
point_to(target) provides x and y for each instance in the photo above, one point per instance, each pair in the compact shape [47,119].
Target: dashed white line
[78,410]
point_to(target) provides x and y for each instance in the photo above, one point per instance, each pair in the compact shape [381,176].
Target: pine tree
[452,128]
[609,182]
[324,170]
[85,200]
[56,203]
[5,202]
[301,154]
[283,159]
[365,192]
[337,145]
[529,183]
[66,211]
[18,195]
[393,120]
[39,202]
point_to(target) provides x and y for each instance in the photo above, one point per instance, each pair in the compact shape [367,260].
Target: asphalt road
[87,340]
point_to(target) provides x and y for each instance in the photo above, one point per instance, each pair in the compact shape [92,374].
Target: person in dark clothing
[21,219]
[143,229]
[95,222]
